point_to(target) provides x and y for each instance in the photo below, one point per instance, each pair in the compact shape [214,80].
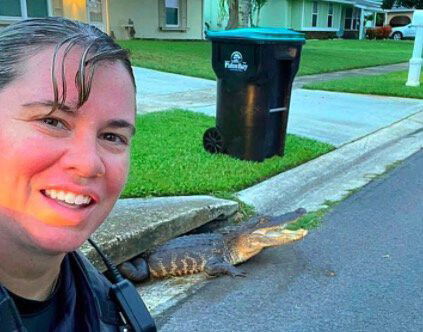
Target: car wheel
[397,36]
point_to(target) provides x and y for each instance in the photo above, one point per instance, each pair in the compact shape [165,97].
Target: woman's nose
[83,158]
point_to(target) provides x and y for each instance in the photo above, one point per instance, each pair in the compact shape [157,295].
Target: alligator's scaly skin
[214,253]
[187,255]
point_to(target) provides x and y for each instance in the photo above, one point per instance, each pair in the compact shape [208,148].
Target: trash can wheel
[213,141]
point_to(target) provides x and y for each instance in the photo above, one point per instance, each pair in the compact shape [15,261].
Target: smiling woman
[67,107]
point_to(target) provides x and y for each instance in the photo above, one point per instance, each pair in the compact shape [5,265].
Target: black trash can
[255,68]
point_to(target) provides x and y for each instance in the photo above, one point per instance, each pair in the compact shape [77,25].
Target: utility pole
[416,59]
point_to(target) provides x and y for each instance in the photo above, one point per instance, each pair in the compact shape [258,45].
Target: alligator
[214,253]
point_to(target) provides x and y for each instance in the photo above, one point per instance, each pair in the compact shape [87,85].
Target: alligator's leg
[136,270]
[216,266]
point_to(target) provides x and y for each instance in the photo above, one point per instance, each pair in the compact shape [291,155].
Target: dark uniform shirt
[47,315]
[81,302]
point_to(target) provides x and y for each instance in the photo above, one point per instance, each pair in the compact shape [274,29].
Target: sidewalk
[372,133]
[331,117]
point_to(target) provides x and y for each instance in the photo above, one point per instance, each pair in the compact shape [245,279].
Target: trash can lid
[257,34]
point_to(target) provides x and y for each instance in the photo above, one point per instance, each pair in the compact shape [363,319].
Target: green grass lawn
[193,58]
[168,158]
[392,84]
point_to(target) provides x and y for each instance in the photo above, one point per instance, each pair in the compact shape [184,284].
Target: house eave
[400,10]
[363,4]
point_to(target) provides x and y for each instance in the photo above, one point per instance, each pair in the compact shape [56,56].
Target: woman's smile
[70,209]
[68,198]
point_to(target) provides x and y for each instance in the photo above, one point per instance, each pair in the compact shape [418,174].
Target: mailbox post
[416,60]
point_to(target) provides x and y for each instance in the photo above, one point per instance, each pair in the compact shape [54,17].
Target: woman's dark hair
[24,39]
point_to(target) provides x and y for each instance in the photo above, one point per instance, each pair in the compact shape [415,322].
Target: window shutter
[183,4]
[162,14]
[57,7]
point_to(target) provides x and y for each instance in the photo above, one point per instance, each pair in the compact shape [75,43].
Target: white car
[407,31]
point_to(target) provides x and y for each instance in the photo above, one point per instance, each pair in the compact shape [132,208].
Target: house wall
[216,19]
[145,15]
[276,13]
[296,14]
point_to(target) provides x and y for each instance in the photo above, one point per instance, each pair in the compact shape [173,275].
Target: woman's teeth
[68,197]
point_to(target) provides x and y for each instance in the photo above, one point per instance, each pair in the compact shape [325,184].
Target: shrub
[386,31]
[370,33]
[379,32]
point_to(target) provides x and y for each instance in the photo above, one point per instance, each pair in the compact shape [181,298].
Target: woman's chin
[57,239]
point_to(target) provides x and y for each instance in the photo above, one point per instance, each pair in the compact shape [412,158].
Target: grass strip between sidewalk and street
[168,159]
[392,84]
[193,58]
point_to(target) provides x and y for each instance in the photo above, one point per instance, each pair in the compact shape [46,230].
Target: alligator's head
[261,233]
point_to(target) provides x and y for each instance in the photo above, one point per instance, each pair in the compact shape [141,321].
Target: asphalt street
[361,270]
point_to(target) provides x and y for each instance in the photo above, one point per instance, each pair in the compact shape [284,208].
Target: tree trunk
[233,21]
[258,16]
[251,15]
[244,13]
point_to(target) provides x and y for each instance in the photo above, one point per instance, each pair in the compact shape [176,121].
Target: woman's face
[60,174]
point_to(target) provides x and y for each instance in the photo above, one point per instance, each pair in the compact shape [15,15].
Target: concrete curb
[135,225]
[334,175]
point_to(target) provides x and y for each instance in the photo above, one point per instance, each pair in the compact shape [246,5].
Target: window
[23,8]
[330,15]
[10,8]
[36,8]
[348,18]
[356,19]
[314,14]
[352,20]
[172,13]
[95,9]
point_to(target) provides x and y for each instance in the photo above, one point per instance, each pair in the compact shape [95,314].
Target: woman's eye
[52,122]
[114,138]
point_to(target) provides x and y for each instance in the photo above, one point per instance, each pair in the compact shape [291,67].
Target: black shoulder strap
[124,296]
[9,316]
[100,286]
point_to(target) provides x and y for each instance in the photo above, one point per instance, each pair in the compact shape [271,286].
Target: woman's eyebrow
[118,123]
[49,104]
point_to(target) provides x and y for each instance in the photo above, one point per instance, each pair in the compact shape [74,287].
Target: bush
[379,32]
[370,33]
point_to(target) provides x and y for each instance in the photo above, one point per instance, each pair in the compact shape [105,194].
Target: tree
[257,5]
[244,13]
[233,8]
[240,12]
[416,4]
